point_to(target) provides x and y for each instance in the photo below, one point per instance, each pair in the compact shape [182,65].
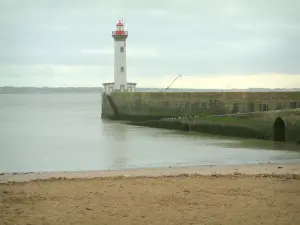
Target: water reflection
[264,144]
[116,134]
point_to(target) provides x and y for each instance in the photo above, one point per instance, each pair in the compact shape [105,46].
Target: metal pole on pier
[172,83]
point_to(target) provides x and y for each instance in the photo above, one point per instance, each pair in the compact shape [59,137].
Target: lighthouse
[120,83]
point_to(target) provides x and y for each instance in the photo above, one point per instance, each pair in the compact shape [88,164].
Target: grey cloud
[193,36]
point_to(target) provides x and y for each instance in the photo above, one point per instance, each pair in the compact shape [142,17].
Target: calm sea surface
[65,132]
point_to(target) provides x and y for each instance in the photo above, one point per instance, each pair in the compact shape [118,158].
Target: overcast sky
[212,43]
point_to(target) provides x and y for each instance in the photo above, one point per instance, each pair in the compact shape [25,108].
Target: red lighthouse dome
[119,32]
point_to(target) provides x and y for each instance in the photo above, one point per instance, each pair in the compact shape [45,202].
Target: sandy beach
[253,194]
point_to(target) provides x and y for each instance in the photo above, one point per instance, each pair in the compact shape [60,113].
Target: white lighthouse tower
[120,83]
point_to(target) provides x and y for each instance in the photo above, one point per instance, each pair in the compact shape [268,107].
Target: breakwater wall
[154,105]
[258,125]
[212,127]
[249,114]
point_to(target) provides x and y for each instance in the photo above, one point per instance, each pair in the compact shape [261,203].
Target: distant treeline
[24,90]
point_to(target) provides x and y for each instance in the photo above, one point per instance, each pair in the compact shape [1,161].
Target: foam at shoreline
[292,170]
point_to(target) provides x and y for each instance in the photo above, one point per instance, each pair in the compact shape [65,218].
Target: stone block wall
[107,111]
[199,103]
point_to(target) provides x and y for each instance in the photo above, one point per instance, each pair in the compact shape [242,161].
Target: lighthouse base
[111,87]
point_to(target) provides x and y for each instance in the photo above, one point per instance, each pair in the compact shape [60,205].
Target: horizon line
[148,87]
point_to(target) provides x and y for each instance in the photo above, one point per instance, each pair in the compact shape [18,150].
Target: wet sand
[265,194]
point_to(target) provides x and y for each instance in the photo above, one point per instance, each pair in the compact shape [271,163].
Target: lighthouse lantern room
[120,68]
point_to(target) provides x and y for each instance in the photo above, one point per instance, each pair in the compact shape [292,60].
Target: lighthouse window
[122,68]
[122,49]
